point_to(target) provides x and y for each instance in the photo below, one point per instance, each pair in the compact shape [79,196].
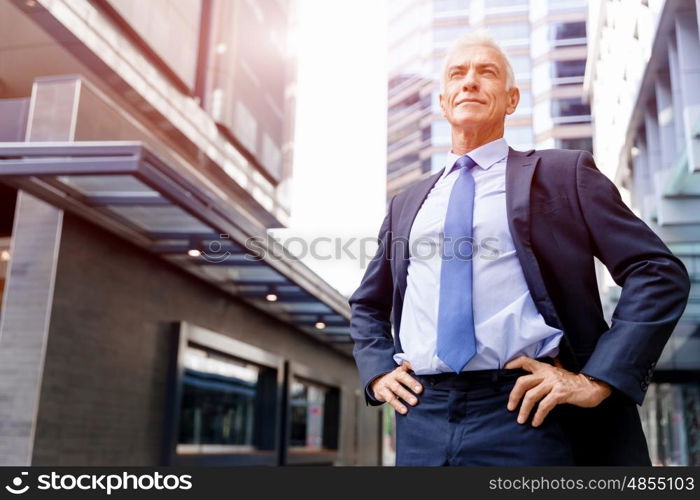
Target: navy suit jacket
[562,212]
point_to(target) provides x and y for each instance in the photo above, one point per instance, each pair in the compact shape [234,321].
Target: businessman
[500,354]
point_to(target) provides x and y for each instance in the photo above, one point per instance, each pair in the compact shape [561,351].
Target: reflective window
[314,415]
[573,68]
[570,107]
[567,31]
[226,403]
[584,143]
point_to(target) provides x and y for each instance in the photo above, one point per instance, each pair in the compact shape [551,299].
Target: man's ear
[441,98]
[513,100]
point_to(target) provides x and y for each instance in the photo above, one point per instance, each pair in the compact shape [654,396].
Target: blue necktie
[456,342]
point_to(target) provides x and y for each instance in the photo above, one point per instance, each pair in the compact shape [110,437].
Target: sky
[339,178]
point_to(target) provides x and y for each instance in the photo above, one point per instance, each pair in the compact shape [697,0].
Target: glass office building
[643,80]
[546,43]
[143,147]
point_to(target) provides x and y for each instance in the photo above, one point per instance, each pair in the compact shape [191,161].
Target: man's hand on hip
[392,386]
[549,386]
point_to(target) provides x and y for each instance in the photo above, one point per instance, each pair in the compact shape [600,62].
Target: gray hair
[479,37]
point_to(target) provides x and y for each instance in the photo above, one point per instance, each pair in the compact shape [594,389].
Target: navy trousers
[462,419]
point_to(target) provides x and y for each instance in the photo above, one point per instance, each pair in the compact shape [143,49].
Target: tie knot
[464,161]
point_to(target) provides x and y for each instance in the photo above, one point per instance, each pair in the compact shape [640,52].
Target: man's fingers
[409,382]
[523,362]
[403,393]
[543,409]
[530,400]
[391,398]
[522,385]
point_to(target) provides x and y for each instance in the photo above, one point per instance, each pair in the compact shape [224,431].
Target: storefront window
[227,403]
[314,415]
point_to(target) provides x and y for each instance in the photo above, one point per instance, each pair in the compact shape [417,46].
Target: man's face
[474,92]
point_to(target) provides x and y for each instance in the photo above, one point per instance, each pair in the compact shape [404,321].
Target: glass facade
[534,37]
[671,418]
[246,77]
[644,93]
[170,28]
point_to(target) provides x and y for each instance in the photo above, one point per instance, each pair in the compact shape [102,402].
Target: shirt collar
[485,156]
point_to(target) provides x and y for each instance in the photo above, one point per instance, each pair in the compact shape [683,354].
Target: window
[585,143]
[568,31]
[571,110]
[313,415]
[224,401]
[566,69]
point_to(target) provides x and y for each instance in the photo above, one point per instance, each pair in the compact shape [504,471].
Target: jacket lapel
[520,170]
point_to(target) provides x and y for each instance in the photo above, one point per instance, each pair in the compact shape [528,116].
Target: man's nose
[470,81]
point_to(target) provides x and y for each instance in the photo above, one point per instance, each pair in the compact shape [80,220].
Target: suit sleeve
[370,306]
[655,285]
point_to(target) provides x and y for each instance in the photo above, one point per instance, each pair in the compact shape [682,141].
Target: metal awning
[126,188]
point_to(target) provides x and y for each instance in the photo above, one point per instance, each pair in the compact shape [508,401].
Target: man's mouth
[468,100]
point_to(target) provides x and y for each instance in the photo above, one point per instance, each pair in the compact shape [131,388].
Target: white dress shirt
[506,321]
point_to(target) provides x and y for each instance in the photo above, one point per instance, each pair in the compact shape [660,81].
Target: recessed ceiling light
[271,297]
[193,252]
[320,325]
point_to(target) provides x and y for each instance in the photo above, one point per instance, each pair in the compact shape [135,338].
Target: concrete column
[677,100]
[30,280]
[664,119]
[688,43]
[653,142]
